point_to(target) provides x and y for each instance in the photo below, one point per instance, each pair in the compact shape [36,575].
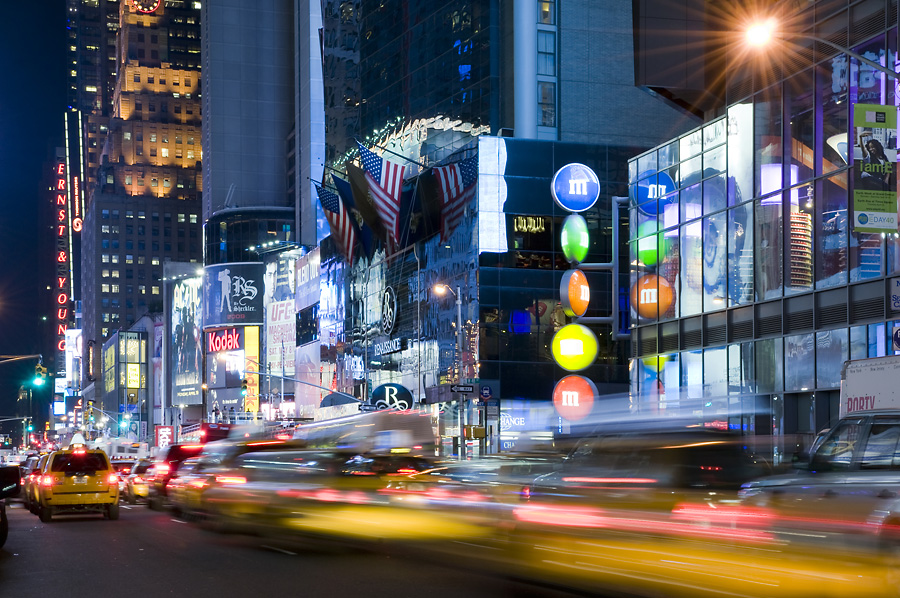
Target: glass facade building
[750,281]
[380,320]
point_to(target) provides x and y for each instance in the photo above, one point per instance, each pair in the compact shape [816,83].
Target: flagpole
[382,148]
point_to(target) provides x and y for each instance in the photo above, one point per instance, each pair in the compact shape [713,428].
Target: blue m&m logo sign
[575,187]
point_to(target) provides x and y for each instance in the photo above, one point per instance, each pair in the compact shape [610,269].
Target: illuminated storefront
[756,272]
[123,405]
[380,322]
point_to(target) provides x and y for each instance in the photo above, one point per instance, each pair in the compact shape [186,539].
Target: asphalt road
[148,553]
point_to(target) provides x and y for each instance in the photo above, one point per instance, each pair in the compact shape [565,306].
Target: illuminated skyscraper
[143,190]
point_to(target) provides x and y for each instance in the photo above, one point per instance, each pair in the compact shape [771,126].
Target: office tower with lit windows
[144,191]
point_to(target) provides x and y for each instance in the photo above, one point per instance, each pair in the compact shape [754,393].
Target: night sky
[32,103]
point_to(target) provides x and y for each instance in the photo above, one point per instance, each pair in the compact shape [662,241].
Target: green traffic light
[38,381]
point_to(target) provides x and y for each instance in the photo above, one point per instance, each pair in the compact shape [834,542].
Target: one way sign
[463,388]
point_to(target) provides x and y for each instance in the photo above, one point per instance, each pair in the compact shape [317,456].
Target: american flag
[340,221]
[385,180]
[456,184]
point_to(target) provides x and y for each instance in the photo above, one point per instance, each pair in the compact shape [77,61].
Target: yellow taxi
[77,480]
[30,483]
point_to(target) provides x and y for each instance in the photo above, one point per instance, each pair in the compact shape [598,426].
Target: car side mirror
[800,461]
[10,478]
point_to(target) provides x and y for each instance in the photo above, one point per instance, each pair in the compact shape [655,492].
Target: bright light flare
[760,34]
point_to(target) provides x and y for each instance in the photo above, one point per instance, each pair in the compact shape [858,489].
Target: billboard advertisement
[280,282]
[233,294]
[186,354]
[874,168]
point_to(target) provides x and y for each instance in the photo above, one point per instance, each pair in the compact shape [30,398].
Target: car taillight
[112,478]
[162,469]
[138,479]
[230,479]
[47,481]
[526,493]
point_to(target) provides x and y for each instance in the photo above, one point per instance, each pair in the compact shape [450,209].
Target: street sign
[463,388]
[485,392]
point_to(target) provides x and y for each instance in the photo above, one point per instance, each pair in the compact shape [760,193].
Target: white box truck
[868,384]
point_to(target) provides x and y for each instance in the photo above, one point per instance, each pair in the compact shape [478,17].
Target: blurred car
[215,457]
[136,482]
[122,468]
[30,483]
[847,490]
[186,487]
[76,480]
[10,486]
[323,493]
[660,481]
[164,469]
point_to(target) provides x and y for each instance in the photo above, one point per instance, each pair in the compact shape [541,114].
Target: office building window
[154,290]
[104,288]
[546,59]
[546,12]
[104,258]
[114,288]
[546,104]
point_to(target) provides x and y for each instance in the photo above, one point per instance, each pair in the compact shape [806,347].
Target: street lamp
[760,34]
[442,289]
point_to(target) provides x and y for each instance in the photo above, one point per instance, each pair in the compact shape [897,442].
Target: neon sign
[62,259]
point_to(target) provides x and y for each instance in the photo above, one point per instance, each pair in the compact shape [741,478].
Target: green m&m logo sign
[575,239]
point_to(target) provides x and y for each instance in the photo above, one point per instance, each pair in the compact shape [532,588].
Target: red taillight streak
[138,480]
[568,516]
[328,495]
[264,442]
[737,515]
[594,518]
[230,479]
[197,483]
[162,469]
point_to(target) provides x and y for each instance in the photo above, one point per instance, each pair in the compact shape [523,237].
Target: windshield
[82,463]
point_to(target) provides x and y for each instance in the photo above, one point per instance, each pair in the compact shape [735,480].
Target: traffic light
[30,426]
[244,384]
[40,375]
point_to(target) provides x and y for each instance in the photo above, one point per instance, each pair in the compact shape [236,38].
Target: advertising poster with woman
[875,168]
